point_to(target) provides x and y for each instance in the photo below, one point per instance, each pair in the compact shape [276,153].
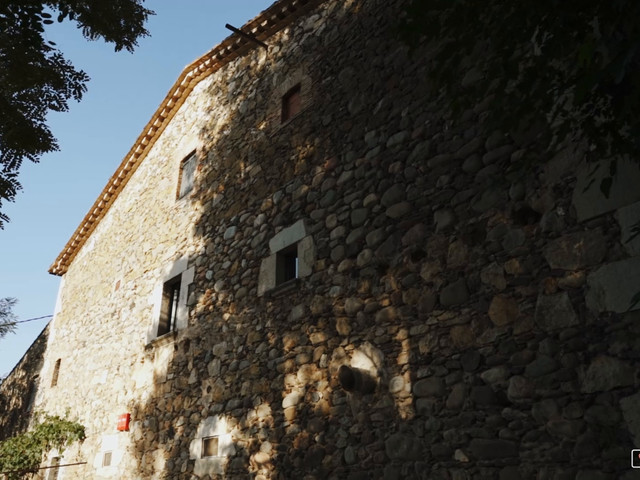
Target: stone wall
[451,326]
[19,390]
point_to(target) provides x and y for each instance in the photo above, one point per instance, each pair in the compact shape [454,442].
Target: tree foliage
[7,318]
[35,78]
[570,66]
[23,453]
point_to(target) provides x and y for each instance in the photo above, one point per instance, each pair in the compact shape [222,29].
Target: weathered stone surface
[591,202]
[230,232]
[353,305]
[542,365]
[457,255]
[605,373]
[629,219]
[393,195]
[454,293]
[554,312]
[470,360]
[429,387]
[631,413]
[503,310]
[462,336]
[483,395]
[576,250]
[493,274]
[398,210]
[403,447]
[519,388]
[444,219]
[359,216]
[490,449]
[415,235]
[265,357]
[613,287]
[456,398]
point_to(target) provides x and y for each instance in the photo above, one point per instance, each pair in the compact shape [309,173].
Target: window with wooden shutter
[291,103]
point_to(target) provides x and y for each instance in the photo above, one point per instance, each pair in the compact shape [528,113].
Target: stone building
[304,269]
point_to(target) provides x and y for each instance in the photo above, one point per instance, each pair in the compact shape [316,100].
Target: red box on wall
[123,422]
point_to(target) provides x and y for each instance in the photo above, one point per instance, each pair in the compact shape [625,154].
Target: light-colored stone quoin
[495,341]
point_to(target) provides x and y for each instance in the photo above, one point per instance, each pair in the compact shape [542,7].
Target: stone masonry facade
[440,324]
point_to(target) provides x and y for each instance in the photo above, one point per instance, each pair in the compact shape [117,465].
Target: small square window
[56,372]
[169,307]
[287,264]
[106,459]
[210,447]
[291,103]
[187,174]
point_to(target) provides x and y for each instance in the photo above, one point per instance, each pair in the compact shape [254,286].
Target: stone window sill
[165,339]
[283,288]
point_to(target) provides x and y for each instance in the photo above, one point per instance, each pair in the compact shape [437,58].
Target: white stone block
[267,275]
[288,236]
[306,256]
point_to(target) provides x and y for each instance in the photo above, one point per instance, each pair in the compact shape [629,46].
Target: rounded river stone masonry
[489,317]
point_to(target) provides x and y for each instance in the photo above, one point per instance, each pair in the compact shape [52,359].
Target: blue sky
[124,91]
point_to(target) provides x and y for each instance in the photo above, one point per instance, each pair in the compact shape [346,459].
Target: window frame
[190,160]
[291,103]
[169,306]
[291,244]
[203,451]
[169,276]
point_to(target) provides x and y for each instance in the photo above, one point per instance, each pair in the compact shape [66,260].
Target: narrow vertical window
[106,459]
[56,372]
[291,103]
[55,469]
[169,307]
[187,174]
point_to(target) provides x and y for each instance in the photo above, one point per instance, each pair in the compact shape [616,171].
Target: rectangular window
[55,470]
[187,174]
[169,307]
[210,447]
[106,459]
[291,103]
[287,264]
[56,372]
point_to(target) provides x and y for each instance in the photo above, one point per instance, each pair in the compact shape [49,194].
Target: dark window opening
[210,447]
[56,372]
[169,307]
[106,459]
[53,472]
[287,264]
[291,103]
[187,174]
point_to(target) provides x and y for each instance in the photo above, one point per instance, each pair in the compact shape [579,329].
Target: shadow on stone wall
[489,363]
[268,365]
[19,390]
